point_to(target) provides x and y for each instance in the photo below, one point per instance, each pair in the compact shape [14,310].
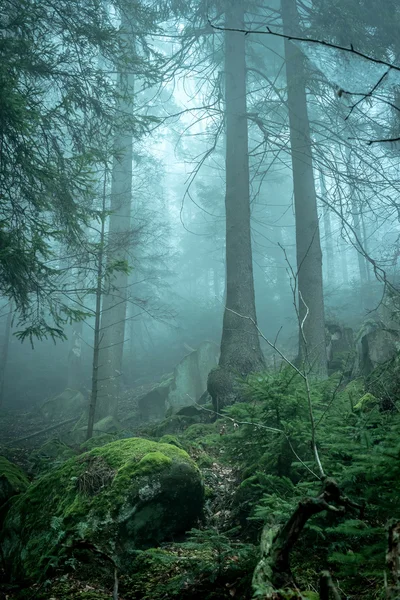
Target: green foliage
[59,111]
[358,442]
[207,565]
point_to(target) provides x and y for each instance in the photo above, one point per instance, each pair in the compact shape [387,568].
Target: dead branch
[37,433]
[273,571]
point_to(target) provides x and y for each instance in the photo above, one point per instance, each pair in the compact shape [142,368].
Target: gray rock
[68,404]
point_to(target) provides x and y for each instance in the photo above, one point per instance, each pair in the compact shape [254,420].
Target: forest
[199,299]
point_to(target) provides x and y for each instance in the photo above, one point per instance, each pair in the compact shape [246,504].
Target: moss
[153,462]
[354,391]
[13,475]
[170,439]
[139,493]
[98,441]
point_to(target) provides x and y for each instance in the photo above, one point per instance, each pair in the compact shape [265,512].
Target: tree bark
[312,351]
[273,570]
[97,320]
[329,253]
[355,212]
[118,246]
[393,561]
[240,345]
[4,353]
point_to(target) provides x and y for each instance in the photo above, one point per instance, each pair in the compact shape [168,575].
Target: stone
[190,376]
[106,426]
[186,386]
[68,404]
[376,348]
[125,496]
[340,347]
[152,405]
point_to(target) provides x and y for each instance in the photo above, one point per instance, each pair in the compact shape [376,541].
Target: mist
[199,269]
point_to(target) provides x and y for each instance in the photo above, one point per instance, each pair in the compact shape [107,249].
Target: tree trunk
[4,353]
[312,351]
[330,259]
[97,320]
[119,241]
[240,345]
[355,212]
[273,571]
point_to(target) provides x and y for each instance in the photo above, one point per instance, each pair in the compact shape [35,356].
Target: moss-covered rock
[170,439]
[121,497]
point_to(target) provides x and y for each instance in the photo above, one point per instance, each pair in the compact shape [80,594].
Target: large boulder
[186,386]
[152,404]
[68,404]
[376,348]
[190,376]
[128,495]
[340,347]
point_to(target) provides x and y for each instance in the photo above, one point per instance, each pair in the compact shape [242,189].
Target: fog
[192,194]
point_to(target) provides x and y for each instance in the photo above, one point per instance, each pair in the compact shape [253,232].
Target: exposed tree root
[273,572]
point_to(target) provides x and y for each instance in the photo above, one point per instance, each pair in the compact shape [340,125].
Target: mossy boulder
[68,404]
[128,495]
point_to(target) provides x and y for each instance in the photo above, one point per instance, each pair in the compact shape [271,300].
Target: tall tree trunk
[312,350]
[355,212]
[240,345]
[115,300]
[330,260]
[4,352]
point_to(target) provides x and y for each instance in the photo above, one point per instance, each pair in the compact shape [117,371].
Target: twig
[306,382]
[261,426]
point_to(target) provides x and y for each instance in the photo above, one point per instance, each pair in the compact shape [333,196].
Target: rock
[108,425]
[152,405]
[340,348]
[377,347]
[190,376]
[187,385]
[66,405]
[170,439]
[128,495]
